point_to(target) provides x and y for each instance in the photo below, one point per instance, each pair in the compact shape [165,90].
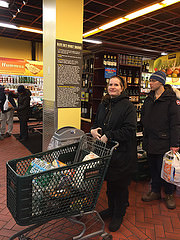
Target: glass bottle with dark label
[129,77]
[136,79]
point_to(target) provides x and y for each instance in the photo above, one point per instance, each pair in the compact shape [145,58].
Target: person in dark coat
[160,119]
[6,114]
[116,120]
[23,109]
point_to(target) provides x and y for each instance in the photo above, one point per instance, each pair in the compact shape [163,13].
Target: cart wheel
[107,237]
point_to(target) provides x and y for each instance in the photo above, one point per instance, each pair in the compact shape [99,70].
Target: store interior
[134,48]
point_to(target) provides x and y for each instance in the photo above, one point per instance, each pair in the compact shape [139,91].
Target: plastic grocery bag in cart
[170,171]
[64,136]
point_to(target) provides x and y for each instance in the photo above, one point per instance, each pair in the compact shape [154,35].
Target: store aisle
[143,220]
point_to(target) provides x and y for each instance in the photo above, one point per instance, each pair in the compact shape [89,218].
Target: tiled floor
[143,220]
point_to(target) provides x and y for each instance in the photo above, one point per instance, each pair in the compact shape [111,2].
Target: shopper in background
[24,97]
[116,120]
[160,119]
[7,111]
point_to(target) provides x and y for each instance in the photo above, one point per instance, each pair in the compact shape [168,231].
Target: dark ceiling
[158,31]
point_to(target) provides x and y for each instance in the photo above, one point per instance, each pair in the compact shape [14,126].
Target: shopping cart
[59,203]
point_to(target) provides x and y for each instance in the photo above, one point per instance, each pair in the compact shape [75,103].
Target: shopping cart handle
[110,144]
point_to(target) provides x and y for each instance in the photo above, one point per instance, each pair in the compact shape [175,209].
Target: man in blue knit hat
[160,119]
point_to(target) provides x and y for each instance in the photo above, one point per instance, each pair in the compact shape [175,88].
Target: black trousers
[23,129]
[118,196]
[155,161]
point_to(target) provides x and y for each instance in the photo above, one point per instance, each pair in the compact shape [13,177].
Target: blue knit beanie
[159,76]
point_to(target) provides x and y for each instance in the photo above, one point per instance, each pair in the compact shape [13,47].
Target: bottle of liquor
[91,65]
[129,77]
[115,61]
[124,75]
[108,61]
[136,79]
[105,60]
[112,62]
[120,72]
[147,67]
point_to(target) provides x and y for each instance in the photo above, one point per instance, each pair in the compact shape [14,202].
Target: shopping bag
[170,170]
[6,105]
[175,171]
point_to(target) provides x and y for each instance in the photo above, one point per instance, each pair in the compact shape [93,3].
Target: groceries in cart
[90,156]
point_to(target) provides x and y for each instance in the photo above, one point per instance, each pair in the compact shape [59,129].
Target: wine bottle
[136,79]
[129,77]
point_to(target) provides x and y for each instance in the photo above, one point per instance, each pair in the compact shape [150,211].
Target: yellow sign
[170,64]
[21,67]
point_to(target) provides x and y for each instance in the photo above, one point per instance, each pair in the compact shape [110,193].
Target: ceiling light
[131,16]
[30,30]
[144,11]
[92,41]
[169,2]
[94,31]
[164,53]
[8,25]
[4,4]
[113,23]
[5,25]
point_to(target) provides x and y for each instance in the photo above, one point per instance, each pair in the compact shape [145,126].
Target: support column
[62,39]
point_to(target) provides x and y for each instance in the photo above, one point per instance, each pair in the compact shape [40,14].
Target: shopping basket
[61,192]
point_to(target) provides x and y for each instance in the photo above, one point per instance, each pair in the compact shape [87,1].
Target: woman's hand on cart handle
[104,138]
[95,133]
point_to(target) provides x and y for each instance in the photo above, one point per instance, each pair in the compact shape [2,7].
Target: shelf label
[68,74]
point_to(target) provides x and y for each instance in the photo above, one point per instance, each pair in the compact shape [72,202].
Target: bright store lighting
[144,11]
[131,16]
[113,23]
[4,4]
[20,28]
[164,53]
[92,41]
[8,25]
[169,2]
[94,31]
[30,30]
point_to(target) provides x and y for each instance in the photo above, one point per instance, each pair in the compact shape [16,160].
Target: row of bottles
[130,60]
[131,76]
[20,79]
[88,65]
[110,61]
[87,81]
[145,67]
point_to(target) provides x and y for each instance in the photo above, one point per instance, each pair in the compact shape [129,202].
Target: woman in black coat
[116,120]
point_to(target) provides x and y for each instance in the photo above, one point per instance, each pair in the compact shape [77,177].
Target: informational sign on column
[68,74]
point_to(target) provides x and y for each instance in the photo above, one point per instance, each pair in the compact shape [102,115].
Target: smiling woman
[116,120]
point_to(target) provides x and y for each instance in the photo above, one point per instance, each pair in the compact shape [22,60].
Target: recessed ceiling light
[4,4]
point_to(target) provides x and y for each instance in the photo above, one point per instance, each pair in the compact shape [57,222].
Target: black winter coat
[161,122]
[24,105]
[117,118]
